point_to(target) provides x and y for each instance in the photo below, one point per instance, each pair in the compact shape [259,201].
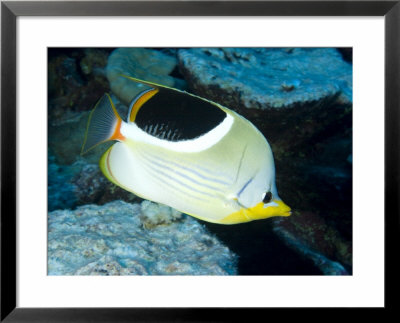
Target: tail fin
[104,124]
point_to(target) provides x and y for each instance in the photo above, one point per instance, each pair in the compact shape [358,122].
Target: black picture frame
[10,10]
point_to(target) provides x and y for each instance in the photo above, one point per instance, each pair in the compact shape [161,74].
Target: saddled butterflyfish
[189,153]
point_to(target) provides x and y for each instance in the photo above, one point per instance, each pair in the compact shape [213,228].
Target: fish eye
[267,197]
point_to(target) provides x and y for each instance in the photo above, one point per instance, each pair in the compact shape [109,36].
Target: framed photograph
[170,160]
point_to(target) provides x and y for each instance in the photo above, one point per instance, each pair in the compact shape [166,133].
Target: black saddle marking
[175,116]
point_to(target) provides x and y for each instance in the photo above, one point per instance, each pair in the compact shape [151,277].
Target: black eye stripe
[267,198]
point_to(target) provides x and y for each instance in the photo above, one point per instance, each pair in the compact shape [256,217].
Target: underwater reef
[299,98]
[119,238]
[265,78]
[142,63]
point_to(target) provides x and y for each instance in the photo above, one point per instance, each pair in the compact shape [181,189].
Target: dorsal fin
[138,101]
[151,84]
[167,88]
[104,124]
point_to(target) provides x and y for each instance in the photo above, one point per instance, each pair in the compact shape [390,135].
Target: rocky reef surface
[265,78]
[81,183]
[141,63]
[299,98]
[120,238]
[76,79]
[310,236]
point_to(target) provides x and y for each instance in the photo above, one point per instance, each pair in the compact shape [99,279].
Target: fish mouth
[285,210]
[279,208]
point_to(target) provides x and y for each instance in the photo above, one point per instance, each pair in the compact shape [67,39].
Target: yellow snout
[258,212]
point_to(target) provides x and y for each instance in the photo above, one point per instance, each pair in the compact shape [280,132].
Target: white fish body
[220,176]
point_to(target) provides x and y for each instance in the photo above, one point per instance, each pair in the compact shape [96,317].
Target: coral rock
[153,214]
[150,65]
[311,236]
[76,80]
[81,183]
[267,78]
[111,240]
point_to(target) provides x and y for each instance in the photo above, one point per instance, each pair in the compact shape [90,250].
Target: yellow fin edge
[139,102]
[105,168]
